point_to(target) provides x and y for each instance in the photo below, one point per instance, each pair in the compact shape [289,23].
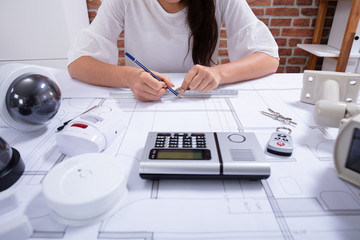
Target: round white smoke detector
[85,189]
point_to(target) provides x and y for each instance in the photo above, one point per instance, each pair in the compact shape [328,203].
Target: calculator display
[353,159]
[180,154]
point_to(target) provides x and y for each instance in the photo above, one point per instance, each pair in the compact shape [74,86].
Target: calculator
[203,155]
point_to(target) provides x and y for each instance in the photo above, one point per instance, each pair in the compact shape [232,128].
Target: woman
[172,36]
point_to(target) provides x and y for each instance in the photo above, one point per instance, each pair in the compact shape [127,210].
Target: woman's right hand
[145,87]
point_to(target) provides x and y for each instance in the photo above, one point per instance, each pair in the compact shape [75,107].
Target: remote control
[280,143]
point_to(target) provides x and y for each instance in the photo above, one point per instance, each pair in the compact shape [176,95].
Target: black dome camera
[11,165]
[29,96]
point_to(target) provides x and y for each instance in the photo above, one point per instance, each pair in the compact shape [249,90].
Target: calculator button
[197,134]
[180,134]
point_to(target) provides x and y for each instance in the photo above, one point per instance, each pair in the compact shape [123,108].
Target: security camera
[335,97]
[11,165]
[29,96]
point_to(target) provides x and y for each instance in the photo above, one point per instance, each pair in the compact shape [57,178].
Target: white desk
[302,199]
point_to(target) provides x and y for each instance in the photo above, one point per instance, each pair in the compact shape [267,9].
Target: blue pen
[151,73]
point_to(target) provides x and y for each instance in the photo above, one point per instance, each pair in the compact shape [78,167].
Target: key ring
[277,116]
[285,128]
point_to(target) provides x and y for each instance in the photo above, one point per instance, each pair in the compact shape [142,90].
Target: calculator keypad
[180,140]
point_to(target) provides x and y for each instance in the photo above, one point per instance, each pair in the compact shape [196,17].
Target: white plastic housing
[342,148]
[85,189]
[91,132]
[346,89]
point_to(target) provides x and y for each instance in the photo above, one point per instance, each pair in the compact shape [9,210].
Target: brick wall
[290,21]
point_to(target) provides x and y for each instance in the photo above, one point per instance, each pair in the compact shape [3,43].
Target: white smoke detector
[85,189]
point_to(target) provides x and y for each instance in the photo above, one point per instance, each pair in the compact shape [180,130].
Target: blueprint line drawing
[302,199]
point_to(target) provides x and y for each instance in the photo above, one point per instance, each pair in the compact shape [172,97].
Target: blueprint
[302,199]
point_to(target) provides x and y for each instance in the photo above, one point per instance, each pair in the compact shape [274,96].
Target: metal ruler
[217,93]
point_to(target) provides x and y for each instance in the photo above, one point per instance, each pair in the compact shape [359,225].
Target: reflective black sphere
[33,99]
[5,154]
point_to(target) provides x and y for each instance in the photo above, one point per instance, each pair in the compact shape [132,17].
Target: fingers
[147,97]
[165,78]
[201,79]
[147,88]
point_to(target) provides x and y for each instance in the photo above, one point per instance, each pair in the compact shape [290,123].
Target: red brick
[280,70]
[121,62]
[223,43]
[223,33]
[93,3]
[225,60]
[282,11]
[307,40]
[304,2]
[120,43]
[297,32]
[223,52]
[310,12]
[275,31]
[265,21]
[294,41]
[301,22]
[282,61]
[300,52]
[292,69]
[258,11]
[285,52]
[281,41]
[283,2]
[259,2]
[280,22]
[92,14]
[296,60]
[121,53]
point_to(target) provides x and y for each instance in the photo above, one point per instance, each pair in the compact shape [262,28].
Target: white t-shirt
[159,40]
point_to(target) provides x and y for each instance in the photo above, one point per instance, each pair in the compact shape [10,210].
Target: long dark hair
[204,30]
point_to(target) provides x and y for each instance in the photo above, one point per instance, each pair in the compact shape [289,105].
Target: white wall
[40,31]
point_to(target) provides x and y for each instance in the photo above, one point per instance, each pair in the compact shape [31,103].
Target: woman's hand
[201,79]
[145,87]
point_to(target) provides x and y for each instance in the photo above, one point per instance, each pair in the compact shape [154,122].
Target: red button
[79,125]
[281,144]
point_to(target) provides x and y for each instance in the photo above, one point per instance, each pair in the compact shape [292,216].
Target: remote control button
[281,144]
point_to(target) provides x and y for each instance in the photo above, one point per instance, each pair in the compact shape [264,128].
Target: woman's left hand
[201,79]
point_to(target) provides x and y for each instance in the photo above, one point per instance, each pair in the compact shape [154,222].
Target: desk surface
[302,199]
